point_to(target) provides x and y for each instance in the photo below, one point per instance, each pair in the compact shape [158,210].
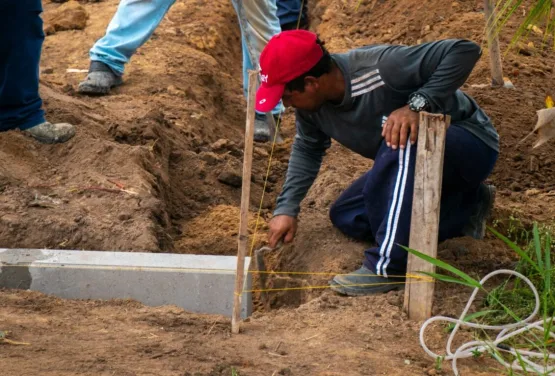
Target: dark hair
[323,66]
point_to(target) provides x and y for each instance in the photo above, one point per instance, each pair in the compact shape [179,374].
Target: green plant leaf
[447,278]
[538,246]
[443,265]
[521,362]
[547,324]
[473,316]
[517,249]
[548,263]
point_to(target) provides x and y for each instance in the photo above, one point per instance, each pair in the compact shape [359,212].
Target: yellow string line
[276,133]
[329,286]
[414,276]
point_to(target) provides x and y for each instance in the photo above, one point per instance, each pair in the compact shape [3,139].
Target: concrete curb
[197,283]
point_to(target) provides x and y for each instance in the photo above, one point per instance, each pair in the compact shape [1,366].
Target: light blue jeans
[136,20]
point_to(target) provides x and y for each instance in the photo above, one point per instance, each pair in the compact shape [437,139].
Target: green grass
[512,300]
[534,263]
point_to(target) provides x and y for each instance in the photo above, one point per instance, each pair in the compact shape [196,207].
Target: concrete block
[197,283]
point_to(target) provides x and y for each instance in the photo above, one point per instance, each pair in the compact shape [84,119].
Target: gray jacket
[378,80]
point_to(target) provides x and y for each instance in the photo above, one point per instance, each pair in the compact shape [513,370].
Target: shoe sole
[342,290]
[93,90]
[49,141]
[261,138]
[88,89]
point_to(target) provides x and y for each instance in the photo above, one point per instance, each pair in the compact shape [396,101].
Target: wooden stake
[245,202]
[425,211]
[496,65]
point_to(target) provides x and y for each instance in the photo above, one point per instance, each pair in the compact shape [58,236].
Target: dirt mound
[215,232]
[330,336]
[144,161]
[155,166]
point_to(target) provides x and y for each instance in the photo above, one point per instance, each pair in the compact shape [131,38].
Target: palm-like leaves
[539,15]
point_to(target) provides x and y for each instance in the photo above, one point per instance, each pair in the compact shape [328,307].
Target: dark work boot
[476,226]
[100,80]
[49,133]
[262,131]
[364,282]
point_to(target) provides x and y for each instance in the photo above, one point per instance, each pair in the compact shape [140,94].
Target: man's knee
[335,214]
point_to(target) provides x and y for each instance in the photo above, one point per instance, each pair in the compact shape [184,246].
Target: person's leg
[21,37]
[387,196]
[259,23]
[131,26]
[292,14]
[348,213]
[467,163]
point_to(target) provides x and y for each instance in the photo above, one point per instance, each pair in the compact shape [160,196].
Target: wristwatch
[417,102]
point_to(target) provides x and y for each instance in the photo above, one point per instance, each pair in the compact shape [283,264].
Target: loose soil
[154,167]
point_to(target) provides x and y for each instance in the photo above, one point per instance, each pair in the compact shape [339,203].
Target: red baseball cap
[287,55]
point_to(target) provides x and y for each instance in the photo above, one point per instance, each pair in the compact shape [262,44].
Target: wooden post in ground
[245,202]
[425,212]
[496,65]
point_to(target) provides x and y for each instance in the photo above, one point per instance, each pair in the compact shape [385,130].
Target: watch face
[418,103]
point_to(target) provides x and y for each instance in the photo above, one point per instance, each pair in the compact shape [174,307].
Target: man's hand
[398,125]
[282,227]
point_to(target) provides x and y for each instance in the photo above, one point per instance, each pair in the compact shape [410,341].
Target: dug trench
[156,167]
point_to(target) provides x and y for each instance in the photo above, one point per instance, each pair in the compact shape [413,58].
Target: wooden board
[425,211]
[245,202]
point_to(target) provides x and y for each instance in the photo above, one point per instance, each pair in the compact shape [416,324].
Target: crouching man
[369,100]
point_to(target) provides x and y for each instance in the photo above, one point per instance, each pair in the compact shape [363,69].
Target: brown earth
[145,172]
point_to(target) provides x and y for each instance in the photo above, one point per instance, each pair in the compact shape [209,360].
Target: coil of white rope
[506,332]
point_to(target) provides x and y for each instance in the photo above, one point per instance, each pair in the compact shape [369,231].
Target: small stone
[532,192]
[172,90]
[427,28]
[454,4]
[393,298]
[432,372]
[124,216]
[407,362]
[535,29]
[526,49]
[222,143]
[285,372]
[69,16]
[262,346]
[261,152]
[210,157]
[230,178]
[515,187]
[47,70]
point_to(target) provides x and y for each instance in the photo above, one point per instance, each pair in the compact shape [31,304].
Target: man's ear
[311,84]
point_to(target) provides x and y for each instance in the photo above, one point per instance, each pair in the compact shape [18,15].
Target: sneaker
[100,80]
[49,133]
[476,226]
[364,282]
